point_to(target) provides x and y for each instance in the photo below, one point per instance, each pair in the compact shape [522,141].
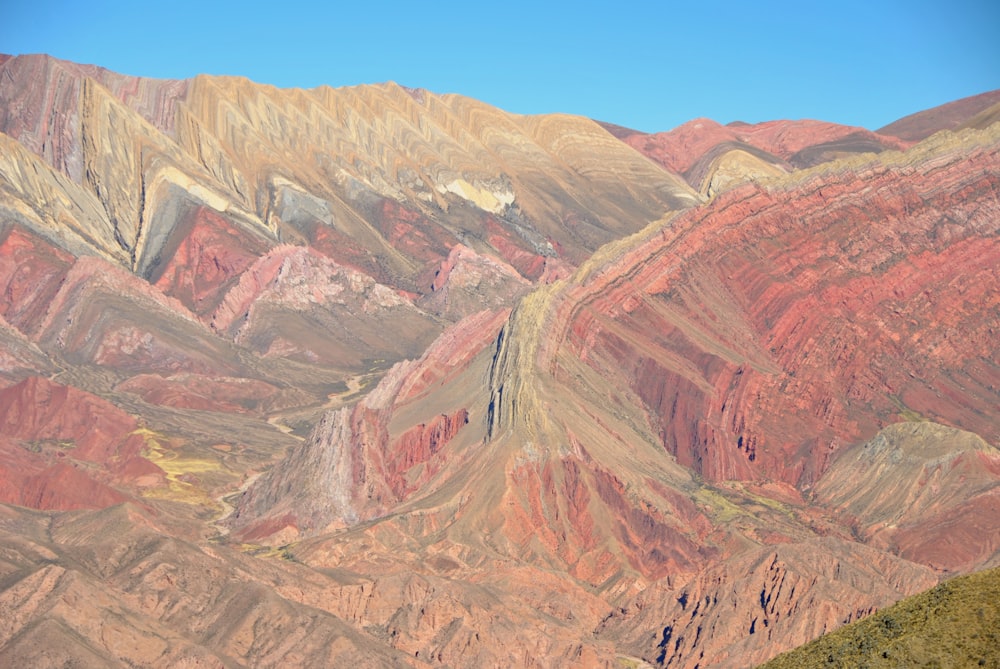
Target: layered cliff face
[379,376]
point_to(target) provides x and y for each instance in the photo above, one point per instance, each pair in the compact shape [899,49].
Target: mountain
[978,111]
[711,156]
[376,375]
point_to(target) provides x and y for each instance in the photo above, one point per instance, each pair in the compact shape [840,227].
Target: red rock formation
[584,517]
[62,447]
[60,486]
[801,332]
[294,302]
[791,139]
[467,282]
[31,272]
[359,462]
[39,410]
[679,149]
[416,447]
[204,259]
[411,232]
[106,316]
[926,492]
[519,253]
[691,149]
[451,354]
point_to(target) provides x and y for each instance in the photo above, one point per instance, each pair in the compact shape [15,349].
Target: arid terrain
[382,377]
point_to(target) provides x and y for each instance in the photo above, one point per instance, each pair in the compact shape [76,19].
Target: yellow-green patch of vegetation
[763,500]
[906,413]
[262,551]
[956,624]
[39,445]
[719,507]
[911,416]
[177,468]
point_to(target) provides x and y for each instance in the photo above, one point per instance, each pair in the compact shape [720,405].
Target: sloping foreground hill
[956,624]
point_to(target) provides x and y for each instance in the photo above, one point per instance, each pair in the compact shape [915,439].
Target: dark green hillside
[955,624]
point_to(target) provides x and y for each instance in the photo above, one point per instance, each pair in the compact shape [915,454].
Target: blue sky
[649,66]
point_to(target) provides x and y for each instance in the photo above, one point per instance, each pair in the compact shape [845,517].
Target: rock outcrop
[924,491]
[733,615]
[360,462]
[795,299]
[294,302]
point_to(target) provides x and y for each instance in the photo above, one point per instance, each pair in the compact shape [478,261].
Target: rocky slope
[807,301]
[734,614]
[926,492]
[954,624]
[380,376]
